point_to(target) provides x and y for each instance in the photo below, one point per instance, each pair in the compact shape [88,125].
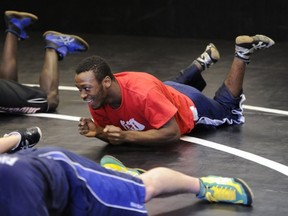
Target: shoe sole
[215,53]
[248,191]
[118,162]
[243,39]
[23,14]
[81,40]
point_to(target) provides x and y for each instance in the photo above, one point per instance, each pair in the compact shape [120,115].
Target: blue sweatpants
[54,181]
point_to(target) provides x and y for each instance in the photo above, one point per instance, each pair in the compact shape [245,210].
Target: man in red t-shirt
[136,107]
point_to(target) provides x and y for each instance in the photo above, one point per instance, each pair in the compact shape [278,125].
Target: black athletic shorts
[18,98]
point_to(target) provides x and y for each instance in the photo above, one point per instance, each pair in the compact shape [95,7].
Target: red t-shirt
[147,103]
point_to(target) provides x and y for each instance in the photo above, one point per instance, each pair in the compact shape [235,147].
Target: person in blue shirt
[54,181]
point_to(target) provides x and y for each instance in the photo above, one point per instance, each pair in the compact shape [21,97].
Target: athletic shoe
[246,45]
[16,22]
[64,43]
[223,189]
[113,163]
[209,57]
[29,138]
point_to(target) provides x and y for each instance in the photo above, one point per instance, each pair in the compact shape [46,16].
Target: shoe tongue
[19,26]
[25,22]
[202,191]
[62,52]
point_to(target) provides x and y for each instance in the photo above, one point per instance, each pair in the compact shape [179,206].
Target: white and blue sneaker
[64,43]
[246,45]
[16,22]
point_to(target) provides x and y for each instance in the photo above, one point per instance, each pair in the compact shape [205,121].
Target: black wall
[222,19]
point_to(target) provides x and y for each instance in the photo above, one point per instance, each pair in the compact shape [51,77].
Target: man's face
[94,93]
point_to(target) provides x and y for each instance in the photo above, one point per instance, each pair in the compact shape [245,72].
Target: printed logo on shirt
[8,160]
[132,124]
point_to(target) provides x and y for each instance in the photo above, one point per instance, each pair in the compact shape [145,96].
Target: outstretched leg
[162,181]
[192,74]
[244,47]
[15,24]
[58,45]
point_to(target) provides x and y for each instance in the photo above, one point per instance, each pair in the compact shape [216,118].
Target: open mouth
[88,100]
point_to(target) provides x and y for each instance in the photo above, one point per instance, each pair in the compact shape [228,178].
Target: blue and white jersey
[54,181]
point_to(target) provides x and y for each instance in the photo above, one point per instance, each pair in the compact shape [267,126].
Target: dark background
[118,31]
[223,19]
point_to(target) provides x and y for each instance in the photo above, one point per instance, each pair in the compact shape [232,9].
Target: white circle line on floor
[246,155]
[55,116]
[240,153]
[248,107]
[249,156]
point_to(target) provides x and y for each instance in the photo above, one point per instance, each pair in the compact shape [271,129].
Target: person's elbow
[172,134]
[172,131]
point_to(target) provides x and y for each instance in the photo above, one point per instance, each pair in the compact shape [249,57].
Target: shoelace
[220,194]
[24,144]
[248,51]
[260,45]
[66,40]
[205,60]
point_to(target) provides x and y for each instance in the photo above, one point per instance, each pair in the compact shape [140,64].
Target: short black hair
[98,65]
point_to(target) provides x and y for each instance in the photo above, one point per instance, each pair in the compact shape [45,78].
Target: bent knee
[52,104]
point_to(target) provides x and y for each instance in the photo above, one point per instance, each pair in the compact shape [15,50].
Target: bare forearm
[168,133]
[100,134]
[150,137]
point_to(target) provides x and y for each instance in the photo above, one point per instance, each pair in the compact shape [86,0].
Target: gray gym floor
[255,151]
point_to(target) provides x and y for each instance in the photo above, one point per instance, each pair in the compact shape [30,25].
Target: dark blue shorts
[222,109]
[54,181]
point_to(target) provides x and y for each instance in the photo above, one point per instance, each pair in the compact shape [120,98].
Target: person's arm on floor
[168,133]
